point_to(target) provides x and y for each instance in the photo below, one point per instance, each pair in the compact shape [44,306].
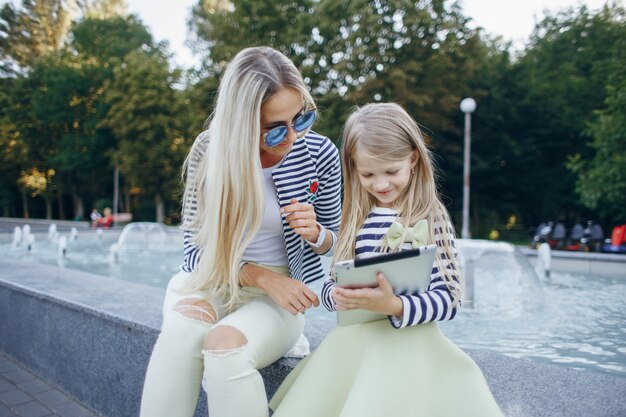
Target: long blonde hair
[387,132]
[226,188]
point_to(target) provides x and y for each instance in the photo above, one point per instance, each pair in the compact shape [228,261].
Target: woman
[262,201]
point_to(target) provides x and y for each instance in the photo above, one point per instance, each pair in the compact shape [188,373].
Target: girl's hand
[302,219]
[290,294]
[380,299]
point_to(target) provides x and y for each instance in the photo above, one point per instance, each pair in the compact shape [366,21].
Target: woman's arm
[302,219]
[328,198]
[322,217]
[292,295]
[191,252]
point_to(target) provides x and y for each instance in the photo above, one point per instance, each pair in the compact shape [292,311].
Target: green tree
[34,30]
[499,160]
[103,9]
[104,43]
[223,28]
[143,117]
[533,114]
[109,40]
[48,115]
[601,179]
[57,108]
[12,153]
[421,55]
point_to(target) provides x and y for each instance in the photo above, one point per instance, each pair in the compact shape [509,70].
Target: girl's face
[280,110]
[383,179]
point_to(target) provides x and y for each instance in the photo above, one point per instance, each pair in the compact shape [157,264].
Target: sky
[513,19]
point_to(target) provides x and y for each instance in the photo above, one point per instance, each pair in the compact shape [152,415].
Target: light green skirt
[374,370]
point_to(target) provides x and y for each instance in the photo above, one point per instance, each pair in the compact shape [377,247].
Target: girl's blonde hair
[223,168]
[387,132]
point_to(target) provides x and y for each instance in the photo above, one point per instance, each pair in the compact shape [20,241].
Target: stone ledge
[92,336]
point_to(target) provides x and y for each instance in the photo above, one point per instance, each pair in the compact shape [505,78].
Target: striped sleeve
[327,294]
[191,252]
[436,303]
[328,202]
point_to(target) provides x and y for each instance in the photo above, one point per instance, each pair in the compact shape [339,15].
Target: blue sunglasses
[277,135]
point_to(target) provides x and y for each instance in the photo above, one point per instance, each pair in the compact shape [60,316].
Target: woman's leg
[250,338]
[174,373]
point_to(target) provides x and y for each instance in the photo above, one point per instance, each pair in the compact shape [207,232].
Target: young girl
[404,366]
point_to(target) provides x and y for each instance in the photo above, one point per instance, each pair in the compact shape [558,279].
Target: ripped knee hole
[224,339]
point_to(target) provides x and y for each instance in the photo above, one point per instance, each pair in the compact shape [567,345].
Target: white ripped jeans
[179,365]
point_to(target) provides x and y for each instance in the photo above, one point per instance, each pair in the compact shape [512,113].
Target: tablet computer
[407,271]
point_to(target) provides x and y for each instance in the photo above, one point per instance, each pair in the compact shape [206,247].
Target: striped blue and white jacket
[435,304]
[311,173]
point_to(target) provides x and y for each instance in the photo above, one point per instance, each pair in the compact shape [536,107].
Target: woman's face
[280,110]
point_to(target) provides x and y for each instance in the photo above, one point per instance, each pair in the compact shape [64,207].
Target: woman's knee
[223,339]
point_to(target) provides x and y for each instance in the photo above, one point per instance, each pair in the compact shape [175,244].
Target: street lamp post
[468,105]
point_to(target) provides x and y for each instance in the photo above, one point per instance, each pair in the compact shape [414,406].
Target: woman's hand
[380,299]
[302,219]
[290,294]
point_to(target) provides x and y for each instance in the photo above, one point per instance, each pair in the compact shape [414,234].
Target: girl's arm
[432,305]
[380,299]
[327,294]
[403,310]
[436,303]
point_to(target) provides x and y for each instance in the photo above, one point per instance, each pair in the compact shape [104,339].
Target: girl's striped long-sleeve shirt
[435,304]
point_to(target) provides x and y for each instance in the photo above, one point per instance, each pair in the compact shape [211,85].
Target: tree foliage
[37,28]
[109,39]
[59,108]
[547,136]
[602,177]
[533,116]
[142,116]
[222,28]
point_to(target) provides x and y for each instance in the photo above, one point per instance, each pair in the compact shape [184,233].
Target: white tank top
[268,245]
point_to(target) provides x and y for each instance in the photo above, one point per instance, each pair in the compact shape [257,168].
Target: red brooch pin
[311,191]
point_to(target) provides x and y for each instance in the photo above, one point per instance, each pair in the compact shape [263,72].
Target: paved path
[24,394]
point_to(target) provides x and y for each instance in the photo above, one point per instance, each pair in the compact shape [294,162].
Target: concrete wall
[92,337]
[89,335]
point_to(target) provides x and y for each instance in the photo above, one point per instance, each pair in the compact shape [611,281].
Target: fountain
[62,245]
[17,237]
[142,235]
[508,307]
[25,232]
[542,266]
[513,279]
[53,234]
[30,241]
